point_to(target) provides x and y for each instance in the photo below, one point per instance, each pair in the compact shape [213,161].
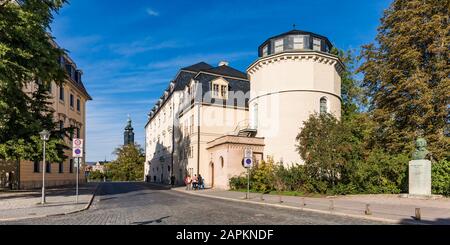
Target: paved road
[144,204]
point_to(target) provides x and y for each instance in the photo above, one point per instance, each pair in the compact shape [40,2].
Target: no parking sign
[248,158]
[77,148]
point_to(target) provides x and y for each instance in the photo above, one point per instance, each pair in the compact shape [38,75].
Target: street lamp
[45,135]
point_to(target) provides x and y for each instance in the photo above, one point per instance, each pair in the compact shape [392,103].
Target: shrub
[96,175]
[238,183]
[380,173]
[441,178]
[262,177]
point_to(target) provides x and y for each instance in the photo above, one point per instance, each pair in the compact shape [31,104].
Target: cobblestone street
[143,204]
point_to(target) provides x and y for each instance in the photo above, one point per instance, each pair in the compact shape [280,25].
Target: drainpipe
[198,133]
[173,133]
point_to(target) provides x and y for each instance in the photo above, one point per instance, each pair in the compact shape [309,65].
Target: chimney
[223,63]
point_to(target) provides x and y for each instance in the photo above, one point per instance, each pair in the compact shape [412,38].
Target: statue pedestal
[420,178]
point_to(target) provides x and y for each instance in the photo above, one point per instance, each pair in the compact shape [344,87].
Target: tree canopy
[129,165]
[29,63]
[406,76]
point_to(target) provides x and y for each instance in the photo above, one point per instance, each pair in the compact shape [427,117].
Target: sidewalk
[24,205]
[383,208]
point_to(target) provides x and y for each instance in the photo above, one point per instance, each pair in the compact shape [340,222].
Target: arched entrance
[212,174]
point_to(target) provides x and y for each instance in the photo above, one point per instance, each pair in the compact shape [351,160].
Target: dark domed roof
[326,43]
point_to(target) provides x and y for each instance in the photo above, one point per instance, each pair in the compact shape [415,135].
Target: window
[50,87]
[69,70]
[223,91]
[279,45]
[192,124]
[220,89]
[265,50]
[61,167]
[36,166]
[71,101]
[78,105]
[61,93]
[255,117]
[216,90]
[192,152]
[77,130]
[323,105]
[168,168]
[71,133]
[316,44]
[61,128]
[299,42]
[48,167]
[71,166]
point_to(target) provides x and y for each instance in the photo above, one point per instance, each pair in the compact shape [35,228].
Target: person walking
[172,180]
[188,182]
[201,183]
[195,182]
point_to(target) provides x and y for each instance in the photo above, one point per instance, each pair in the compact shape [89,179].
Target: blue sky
[130,50]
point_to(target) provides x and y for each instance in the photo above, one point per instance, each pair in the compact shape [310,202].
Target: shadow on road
[116,188]
[157,221]
[412,221]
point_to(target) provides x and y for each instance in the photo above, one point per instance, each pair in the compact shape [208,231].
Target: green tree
[441,177]
[129,165]
[353,99]
[28,62]
[324,143]
[96,175]
[406,76]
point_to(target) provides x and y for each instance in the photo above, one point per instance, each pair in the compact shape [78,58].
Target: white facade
[200,126]
[159,137]
[286,88]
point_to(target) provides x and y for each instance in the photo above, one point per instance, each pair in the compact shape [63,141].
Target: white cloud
[152,12]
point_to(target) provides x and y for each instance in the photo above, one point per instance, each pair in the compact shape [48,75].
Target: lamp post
[45,135]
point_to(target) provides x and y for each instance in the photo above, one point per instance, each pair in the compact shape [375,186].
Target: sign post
[248,163]
[77,153]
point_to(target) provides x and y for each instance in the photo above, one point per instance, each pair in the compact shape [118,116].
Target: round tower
[295,76]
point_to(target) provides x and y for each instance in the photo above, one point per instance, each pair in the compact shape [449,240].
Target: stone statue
[421,151]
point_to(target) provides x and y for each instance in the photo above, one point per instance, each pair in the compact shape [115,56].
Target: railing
[244,124]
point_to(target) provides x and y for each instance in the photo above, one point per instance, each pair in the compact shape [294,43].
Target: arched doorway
[212,174]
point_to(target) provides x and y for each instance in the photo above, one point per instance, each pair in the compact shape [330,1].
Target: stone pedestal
[420,178]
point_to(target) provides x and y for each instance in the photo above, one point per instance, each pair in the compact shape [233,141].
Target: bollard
[418,214]
[280,199]
[368,211]
[331,205]
[262,197]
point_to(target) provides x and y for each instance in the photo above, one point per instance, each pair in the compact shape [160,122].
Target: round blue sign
[77,151]
[248,161]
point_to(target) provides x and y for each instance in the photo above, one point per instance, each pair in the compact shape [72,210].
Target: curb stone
[391,221]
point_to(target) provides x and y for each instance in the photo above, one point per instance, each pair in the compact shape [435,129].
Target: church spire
[128,134]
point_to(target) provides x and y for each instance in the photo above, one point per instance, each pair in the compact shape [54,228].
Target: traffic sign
[248,162]
[248,153]
[76,162]
[77,148]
